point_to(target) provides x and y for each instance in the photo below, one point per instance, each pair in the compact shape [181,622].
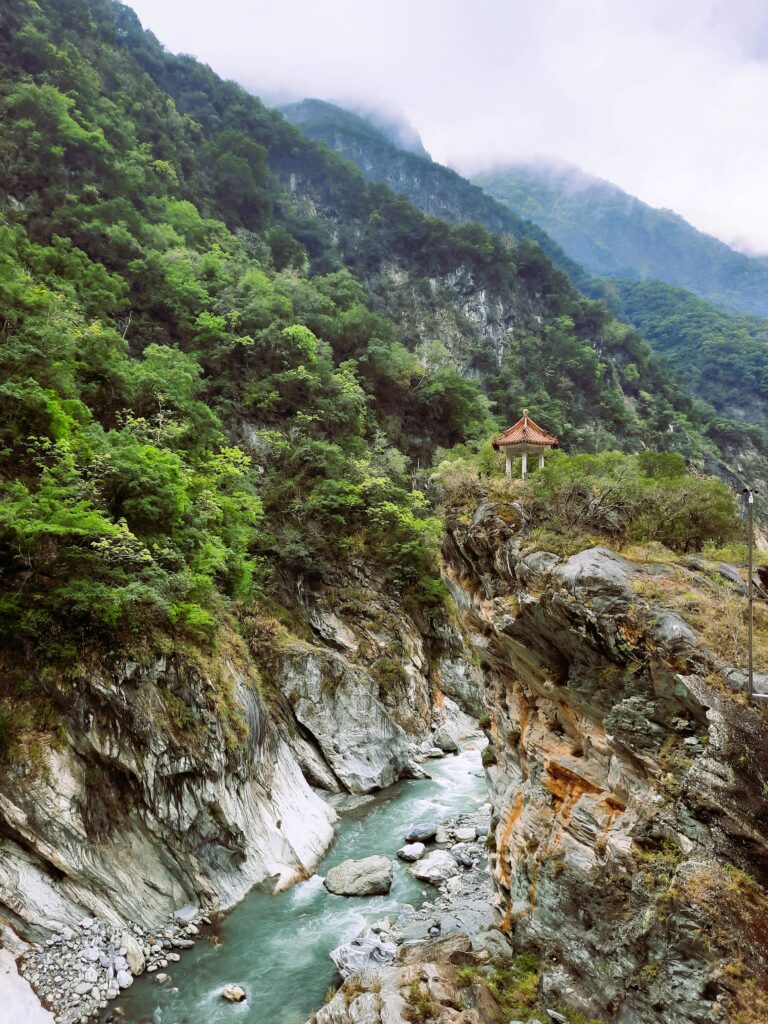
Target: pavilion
[524,438]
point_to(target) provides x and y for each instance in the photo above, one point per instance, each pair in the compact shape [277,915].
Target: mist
[666,99]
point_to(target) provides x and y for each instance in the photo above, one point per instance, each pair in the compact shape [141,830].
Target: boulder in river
[371,876]
[364,952]
[422,833]
[411,851]
[124,979]
[437,867]
[234,994]
[465,833]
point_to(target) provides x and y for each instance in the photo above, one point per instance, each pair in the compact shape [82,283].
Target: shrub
[640,498]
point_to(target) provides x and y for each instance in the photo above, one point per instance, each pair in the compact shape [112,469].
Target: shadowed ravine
[277,947]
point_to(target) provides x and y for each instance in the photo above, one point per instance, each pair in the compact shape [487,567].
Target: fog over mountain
[662,99]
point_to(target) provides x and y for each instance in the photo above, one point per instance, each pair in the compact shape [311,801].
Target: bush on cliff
[645,497]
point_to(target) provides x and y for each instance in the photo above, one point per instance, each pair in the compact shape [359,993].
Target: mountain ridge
[613,233]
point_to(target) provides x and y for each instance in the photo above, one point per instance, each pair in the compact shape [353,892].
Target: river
[276,946]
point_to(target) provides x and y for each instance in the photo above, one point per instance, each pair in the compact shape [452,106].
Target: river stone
[445,739]
[411,851]
[371,876]
[364,952]
[186,914]
[465,834]
[437,867]
[124,979]
[421,833]
[134,954]
[234,994]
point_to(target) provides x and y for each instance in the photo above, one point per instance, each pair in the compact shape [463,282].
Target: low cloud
[667,98]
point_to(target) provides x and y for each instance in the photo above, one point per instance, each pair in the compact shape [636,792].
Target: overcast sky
[666,98]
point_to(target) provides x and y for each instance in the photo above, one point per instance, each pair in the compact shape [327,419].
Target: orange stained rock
[506,834]
[566,786]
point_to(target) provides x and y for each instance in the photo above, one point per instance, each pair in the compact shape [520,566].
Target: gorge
[263,584]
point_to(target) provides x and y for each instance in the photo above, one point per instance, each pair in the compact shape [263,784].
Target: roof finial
[525,413]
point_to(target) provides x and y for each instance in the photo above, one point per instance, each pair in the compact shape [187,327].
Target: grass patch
[488,756]
[389,674]
[420,1007]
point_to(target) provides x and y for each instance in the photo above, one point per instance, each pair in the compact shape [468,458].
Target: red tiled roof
[525,431]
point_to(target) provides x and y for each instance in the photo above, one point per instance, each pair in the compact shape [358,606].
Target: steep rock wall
[134,814]
[187,778]
[629,785]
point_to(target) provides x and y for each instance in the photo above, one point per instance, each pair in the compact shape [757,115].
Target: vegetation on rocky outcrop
[628,774]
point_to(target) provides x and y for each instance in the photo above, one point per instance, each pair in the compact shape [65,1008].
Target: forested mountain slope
[184,269]
[433,188]
[719,355]
[611,233]
[228,365]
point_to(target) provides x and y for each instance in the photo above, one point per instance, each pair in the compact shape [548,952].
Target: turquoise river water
[276,946]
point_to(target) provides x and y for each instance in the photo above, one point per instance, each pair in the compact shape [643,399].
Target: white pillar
[508,466]
[541,460]
[524,472]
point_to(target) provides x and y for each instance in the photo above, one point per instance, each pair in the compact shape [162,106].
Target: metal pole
[750,590]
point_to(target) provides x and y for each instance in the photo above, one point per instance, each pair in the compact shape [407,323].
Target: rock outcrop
[437,867]
[628,782]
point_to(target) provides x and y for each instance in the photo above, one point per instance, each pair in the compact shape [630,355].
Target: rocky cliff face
[159,795]
[433,188]
[628,781]
[187,779]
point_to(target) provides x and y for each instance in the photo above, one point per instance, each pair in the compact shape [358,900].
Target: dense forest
[719,354]
[722,356]
[210,383]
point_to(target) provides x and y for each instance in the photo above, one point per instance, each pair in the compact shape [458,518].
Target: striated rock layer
[187,778]
[628,783]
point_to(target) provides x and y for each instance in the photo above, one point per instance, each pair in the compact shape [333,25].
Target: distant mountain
[611,233]
[435,189]
[721,356]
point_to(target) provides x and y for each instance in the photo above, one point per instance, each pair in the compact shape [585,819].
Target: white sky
[666,98]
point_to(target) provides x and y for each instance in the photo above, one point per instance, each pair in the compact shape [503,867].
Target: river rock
[422,833]
[462,855]
[437,867]
[465,833]
[371,876]
[411,851]
[444,738]
[187,914]
[364,952]
[134,954]
[234,994]
[124,979]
